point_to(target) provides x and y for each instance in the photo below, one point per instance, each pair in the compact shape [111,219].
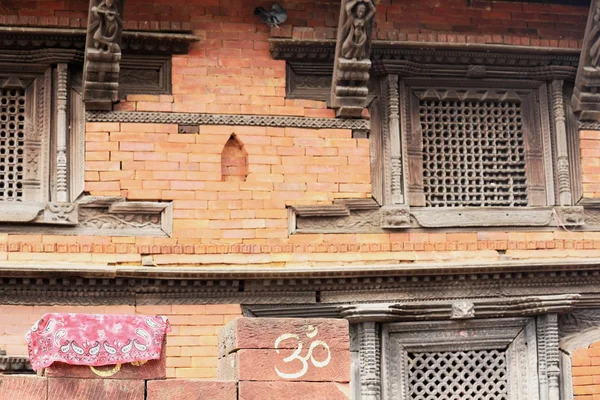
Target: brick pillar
[291,359]
[590,162]
[585,364]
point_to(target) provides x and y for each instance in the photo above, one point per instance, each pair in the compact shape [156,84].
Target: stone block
[293,391]
[319,365]
[95,389]
[263,333]
[25,387]
[187,389]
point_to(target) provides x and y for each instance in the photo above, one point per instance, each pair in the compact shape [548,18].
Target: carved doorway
[494,359]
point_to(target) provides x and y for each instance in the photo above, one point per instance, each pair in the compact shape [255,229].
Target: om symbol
[312,332]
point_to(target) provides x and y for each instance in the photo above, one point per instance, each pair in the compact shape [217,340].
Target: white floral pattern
[95,339]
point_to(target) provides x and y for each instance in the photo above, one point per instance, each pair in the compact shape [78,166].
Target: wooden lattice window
[466,360]
[465,375]
[41,145]
[478,147]
[473,153]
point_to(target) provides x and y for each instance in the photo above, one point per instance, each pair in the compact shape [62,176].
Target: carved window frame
[56,140]
[397,156]
[516,335]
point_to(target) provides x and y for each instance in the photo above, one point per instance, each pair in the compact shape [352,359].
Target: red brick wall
[191,345]
[317,19]
[586,372]
[590,162]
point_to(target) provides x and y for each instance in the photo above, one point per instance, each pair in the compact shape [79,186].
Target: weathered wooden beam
[586,95]
[352,58]
[102,54]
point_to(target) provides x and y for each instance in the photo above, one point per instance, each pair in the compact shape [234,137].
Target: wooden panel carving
[147,74]
[102,54]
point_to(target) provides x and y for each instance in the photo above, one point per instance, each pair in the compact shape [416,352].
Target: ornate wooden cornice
[535,284]
[448,59]
[30,38]
[227,119]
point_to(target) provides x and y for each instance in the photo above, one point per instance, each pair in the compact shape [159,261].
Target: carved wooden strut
[586,94]
[352,64]
[102,54]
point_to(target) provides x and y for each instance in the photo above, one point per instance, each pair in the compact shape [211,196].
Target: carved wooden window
[466,375]
[477,147]
[41,160]
[467,360]
[473,153]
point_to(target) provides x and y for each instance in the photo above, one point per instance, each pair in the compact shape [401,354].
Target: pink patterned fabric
[95,339]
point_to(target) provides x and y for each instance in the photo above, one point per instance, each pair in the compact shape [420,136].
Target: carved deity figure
[595,35]
[106,26]
[354,32]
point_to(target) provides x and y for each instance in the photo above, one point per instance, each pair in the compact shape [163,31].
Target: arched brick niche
[581,365]
[234,160]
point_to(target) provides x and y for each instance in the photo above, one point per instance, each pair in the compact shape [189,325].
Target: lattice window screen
[473,153]
[12,143]
[458,375]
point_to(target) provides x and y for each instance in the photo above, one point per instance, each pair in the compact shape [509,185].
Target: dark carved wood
[586,95]
[103,54]
[145,74]
[66,42]
[442,59]
[352,64]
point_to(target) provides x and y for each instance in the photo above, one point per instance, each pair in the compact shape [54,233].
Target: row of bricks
[427,253]
[322,243]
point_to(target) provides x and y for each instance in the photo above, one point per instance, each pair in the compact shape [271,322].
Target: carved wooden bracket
[102,54]
[586,94]
[352,64]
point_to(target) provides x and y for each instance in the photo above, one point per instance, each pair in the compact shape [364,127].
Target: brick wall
[590,162]
[396,20]
[191,345]
[586,372]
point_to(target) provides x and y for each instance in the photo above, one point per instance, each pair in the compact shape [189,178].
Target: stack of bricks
[191,346]
[585,364]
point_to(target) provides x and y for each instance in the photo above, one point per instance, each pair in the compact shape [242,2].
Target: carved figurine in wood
[102,54]
[356,44]
[352,63]
[107,24]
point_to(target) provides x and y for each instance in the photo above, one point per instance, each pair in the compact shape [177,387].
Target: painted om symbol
[312,332]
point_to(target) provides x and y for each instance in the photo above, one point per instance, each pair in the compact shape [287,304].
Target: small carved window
[41,146]
[12,143]
[465,375]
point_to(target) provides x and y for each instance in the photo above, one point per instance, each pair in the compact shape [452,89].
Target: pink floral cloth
[95,339]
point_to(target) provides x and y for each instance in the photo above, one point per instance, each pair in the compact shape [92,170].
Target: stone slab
[293,391]
[25,387]
[262,333]
[268,365]
[95,389]
[188,389]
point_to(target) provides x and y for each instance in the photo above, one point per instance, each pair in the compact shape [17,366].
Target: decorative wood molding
[402,217]
[102,54]
[227,119]
[505,293]
[145,74]
[91,216]
[586,96]
[442,59]
[352,58]
[64,41]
